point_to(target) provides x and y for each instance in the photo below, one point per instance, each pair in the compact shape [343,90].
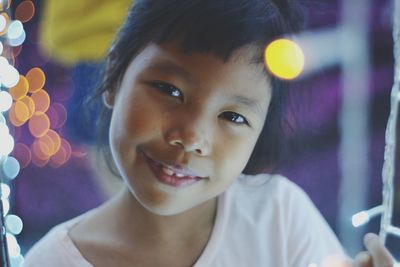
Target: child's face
[184,125]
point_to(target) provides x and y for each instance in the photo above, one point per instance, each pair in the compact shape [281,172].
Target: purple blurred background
[46,196]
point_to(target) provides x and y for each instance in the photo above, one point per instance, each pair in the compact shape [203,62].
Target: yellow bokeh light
[284,58]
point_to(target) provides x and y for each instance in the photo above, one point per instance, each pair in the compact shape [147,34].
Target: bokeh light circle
[5,190]
[15,29]
[25,11]
[5,101]
[42,100]
[10,167]
[20,89]
[39,124]
[14,224]
[30,104]
[284,58]
[23,154]
[36,79]
[6,145]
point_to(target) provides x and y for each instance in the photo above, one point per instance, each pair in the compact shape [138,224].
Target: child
[190,107]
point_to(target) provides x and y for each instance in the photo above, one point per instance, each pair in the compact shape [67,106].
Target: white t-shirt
[262,220]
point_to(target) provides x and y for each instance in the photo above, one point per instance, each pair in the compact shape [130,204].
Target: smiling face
[184,125]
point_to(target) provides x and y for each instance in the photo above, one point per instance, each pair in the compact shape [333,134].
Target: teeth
[167,171]
[179,175]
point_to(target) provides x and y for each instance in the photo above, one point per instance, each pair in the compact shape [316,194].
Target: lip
[156,167]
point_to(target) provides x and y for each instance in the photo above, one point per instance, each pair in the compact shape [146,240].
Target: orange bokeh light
[56,139]
[36,79]
[30,104]
[21,111]
[13,118]
[21,89]
[39,125]
[62,156]
[42,101]
[23,154]
[25,11]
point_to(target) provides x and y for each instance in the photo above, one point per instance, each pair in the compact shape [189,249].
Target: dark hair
[219,27]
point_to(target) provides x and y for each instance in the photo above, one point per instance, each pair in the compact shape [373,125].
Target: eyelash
[173,91]
[234,117]
[169,89]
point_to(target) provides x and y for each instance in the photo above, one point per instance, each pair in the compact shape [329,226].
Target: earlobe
[108,99]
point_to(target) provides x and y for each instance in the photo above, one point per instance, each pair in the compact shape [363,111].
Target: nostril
[198,151]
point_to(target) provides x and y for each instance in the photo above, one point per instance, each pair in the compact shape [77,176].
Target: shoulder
[56,248]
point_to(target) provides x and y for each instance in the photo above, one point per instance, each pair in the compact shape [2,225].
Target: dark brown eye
[169,89]
[234,117]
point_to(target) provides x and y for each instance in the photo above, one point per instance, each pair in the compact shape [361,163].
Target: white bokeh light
[5,101]
[15,29]
[6,205]
[6,145]
[1,47]
[14,224]
[9,76]
[3,23]
[10,167]
[18,41]
[13,248]
[5,190]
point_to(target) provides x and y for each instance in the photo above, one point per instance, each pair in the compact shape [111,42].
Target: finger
[363,259]
[380,255]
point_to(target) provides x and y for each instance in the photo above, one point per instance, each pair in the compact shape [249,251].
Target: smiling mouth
[170,175]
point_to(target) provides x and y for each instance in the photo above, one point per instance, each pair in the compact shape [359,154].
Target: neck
[141,225]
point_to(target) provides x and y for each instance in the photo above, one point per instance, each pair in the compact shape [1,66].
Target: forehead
[239,75]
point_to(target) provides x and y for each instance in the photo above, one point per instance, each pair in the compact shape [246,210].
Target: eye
[234,117]
[168,89]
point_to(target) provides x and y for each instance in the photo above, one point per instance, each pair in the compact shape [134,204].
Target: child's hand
[376,256]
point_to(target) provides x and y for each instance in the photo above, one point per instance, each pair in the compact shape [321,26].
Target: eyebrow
[172,68]
[249,103]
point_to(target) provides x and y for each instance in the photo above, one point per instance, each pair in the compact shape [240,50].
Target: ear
[108,99]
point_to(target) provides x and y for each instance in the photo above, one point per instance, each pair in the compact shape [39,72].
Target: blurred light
[36,79]
[42,100]
[25,11]
[2,119]
[13,117]
[14,224]
[5,101]
[4,16]
[1,43]
[17,261]
[5,190]
[6,145]
[15,29]
[6,205]
[17,41]
[30,104]
[284,58]
[56,140]
[10,167]
[364,216]
[9,75]
[23,154]
[21,111]
[20,89]
[5,4]
[39,124]
[37,161]
[40,151]
[3,23]
[58,115]
[3,130]
[13,248]
[360,219]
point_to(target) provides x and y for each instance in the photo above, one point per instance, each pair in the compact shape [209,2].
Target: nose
[189,137]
